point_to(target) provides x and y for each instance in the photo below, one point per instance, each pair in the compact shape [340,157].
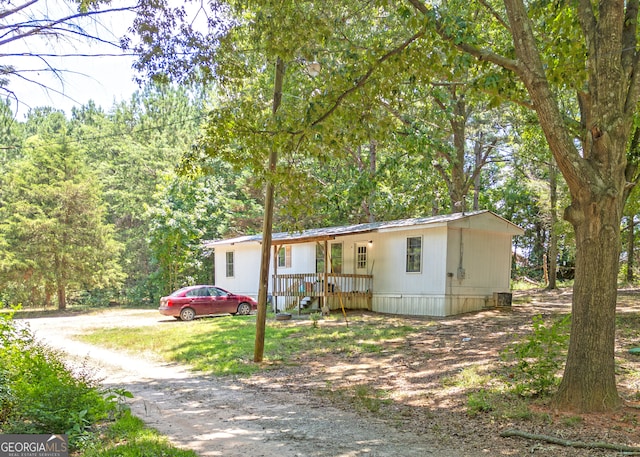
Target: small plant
[40,394]
[479,402]
[539,357]
[572,421]
[371,399]
[315,317]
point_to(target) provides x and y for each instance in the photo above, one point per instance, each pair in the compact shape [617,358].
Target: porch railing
[352,291]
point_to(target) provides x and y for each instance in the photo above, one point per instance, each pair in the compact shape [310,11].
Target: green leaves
[539,356]
[53,221]
[38,394]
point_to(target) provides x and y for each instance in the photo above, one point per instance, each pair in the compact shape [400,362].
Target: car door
[201,301]
[225,302]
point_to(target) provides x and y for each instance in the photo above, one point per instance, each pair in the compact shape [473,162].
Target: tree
[600,62]
[134,148]
[53,222]
[190,209]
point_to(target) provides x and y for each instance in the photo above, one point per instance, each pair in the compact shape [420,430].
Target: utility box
[502,299]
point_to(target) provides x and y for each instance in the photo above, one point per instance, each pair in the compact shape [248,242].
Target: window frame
[284,256]
[362,256]
[413,255]
[230,264]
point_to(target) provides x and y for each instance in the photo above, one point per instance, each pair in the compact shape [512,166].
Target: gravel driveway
[217,417]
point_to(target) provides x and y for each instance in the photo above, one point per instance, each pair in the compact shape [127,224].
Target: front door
[362,258]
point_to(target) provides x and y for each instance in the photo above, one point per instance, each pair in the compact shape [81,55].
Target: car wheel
[187,314]
[244,309]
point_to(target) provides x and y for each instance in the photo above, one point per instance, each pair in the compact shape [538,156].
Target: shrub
[39,394]
[539,357]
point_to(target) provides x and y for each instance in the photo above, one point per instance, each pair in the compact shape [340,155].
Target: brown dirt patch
[419,384]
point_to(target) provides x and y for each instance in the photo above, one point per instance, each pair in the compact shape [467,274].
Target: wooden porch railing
[353,291]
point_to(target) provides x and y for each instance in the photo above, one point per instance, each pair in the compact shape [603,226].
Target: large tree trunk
[631,249]
[589,383]
[553,234]
[458,121]
[62,297]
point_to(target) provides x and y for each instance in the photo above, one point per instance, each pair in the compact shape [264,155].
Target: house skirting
[430,305]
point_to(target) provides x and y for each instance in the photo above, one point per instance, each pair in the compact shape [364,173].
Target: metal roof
[333,232]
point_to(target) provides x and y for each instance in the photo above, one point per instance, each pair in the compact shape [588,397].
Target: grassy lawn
[224,345]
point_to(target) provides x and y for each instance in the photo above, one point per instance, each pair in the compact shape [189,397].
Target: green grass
[128,437]
[468,378]
[225,345]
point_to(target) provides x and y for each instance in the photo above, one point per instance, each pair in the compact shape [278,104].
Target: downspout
[461,273]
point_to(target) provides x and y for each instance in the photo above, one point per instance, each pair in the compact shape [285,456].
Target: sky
[104,79]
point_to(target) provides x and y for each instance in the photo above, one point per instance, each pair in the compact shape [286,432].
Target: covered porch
[311,291]
[329,287]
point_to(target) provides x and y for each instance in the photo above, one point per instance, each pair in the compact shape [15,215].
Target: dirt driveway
[225,418]
[307,410]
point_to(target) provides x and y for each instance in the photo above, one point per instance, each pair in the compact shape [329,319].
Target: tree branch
[51,25]
[7,13]
[364,78]
[534,78]
[495,14]
[578,444]
[631,58]
[478,53]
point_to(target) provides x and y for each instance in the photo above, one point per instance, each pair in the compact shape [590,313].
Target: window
[336,258]
[414,254]
[215,292]
[361,257]
[230,264]
[199,292]
[284,257]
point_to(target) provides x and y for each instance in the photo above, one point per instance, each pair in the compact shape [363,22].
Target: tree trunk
[367,202]
[477,166]
[631,242]
[267,225]
[458,121]
[553,235]
[62,297]
[588,384]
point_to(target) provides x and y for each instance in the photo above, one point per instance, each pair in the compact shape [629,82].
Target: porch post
[325,282]
[276,283]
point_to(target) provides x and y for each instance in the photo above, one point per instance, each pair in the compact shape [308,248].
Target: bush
[39,394]
[539,357]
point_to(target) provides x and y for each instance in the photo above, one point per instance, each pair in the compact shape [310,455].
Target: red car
[194,301]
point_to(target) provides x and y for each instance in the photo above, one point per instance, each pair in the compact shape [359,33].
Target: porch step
[304,303]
